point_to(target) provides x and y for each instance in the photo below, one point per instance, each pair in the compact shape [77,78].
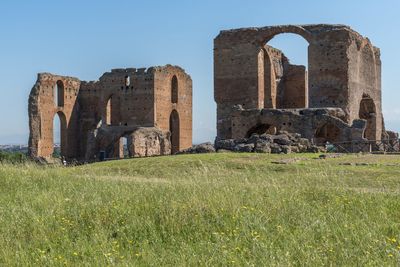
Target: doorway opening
[174,129]
[59,135]
[368,112]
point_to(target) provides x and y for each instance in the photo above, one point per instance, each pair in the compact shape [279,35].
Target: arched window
[174,89]
[59,94]
[175,131]
[109,111]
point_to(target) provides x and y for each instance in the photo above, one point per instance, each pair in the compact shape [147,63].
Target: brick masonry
[344,71]
[120,102]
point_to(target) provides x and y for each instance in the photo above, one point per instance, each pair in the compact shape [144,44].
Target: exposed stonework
[199,149]
[95,116]
[339,99]
[310,123]
[147,142]
[282,142]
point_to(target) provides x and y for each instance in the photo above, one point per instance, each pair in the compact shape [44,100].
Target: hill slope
[219,209]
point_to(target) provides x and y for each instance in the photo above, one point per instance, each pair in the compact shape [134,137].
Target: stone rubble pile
[198,149]
[283,142]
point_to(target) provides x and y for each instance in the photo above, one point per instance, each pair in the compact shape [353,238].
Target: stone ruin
[264,103]
[147,111]
[258,91]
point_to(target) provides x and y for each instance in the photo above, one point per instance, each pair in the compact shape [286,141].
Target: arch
[109,107]
[59,94]
[282,84]
[174,89]
[174,128]
[260,129]
[271,32]
[367,112]
[59,135]
[328,132]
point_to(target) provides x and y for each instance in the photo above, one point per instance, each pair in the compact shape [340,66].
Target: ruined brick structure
[257,90]
[151,108]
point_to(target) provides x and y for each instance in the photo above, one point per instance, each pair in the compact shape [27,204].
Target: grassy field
[217,209]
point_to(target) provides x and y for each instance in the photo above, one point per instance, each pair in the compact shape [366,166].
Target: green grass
[207,210]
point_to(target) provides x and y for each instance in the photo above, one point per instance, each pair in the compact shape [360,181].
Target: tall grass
[220,209]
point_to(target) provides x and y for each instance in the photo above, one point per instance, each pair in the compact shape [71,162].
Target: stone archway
[269,32]
[174,128]
[282,84]
[367,112]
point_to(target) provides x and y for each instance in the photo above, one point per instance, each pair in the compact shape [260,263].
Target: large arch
[174,128]
[281,83]
[62,133]
[267,33]
[367,112]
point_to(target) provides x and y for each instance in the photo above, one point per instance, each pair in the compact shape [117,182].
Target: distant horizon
[85,39]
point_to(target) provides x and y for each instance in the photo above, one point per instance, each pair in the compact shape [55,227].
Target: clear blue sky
[85,38]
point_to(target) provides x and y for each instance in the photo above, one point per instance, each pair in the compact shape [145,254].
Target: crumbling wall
[132,94]
[147,142]
[174,112]
[43,109]
[365,83]
[307,122]
[293,87]
[141,142]
[90,115]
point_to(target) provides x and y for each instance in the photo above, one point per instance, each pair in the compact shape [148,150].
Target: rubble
[283,142]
